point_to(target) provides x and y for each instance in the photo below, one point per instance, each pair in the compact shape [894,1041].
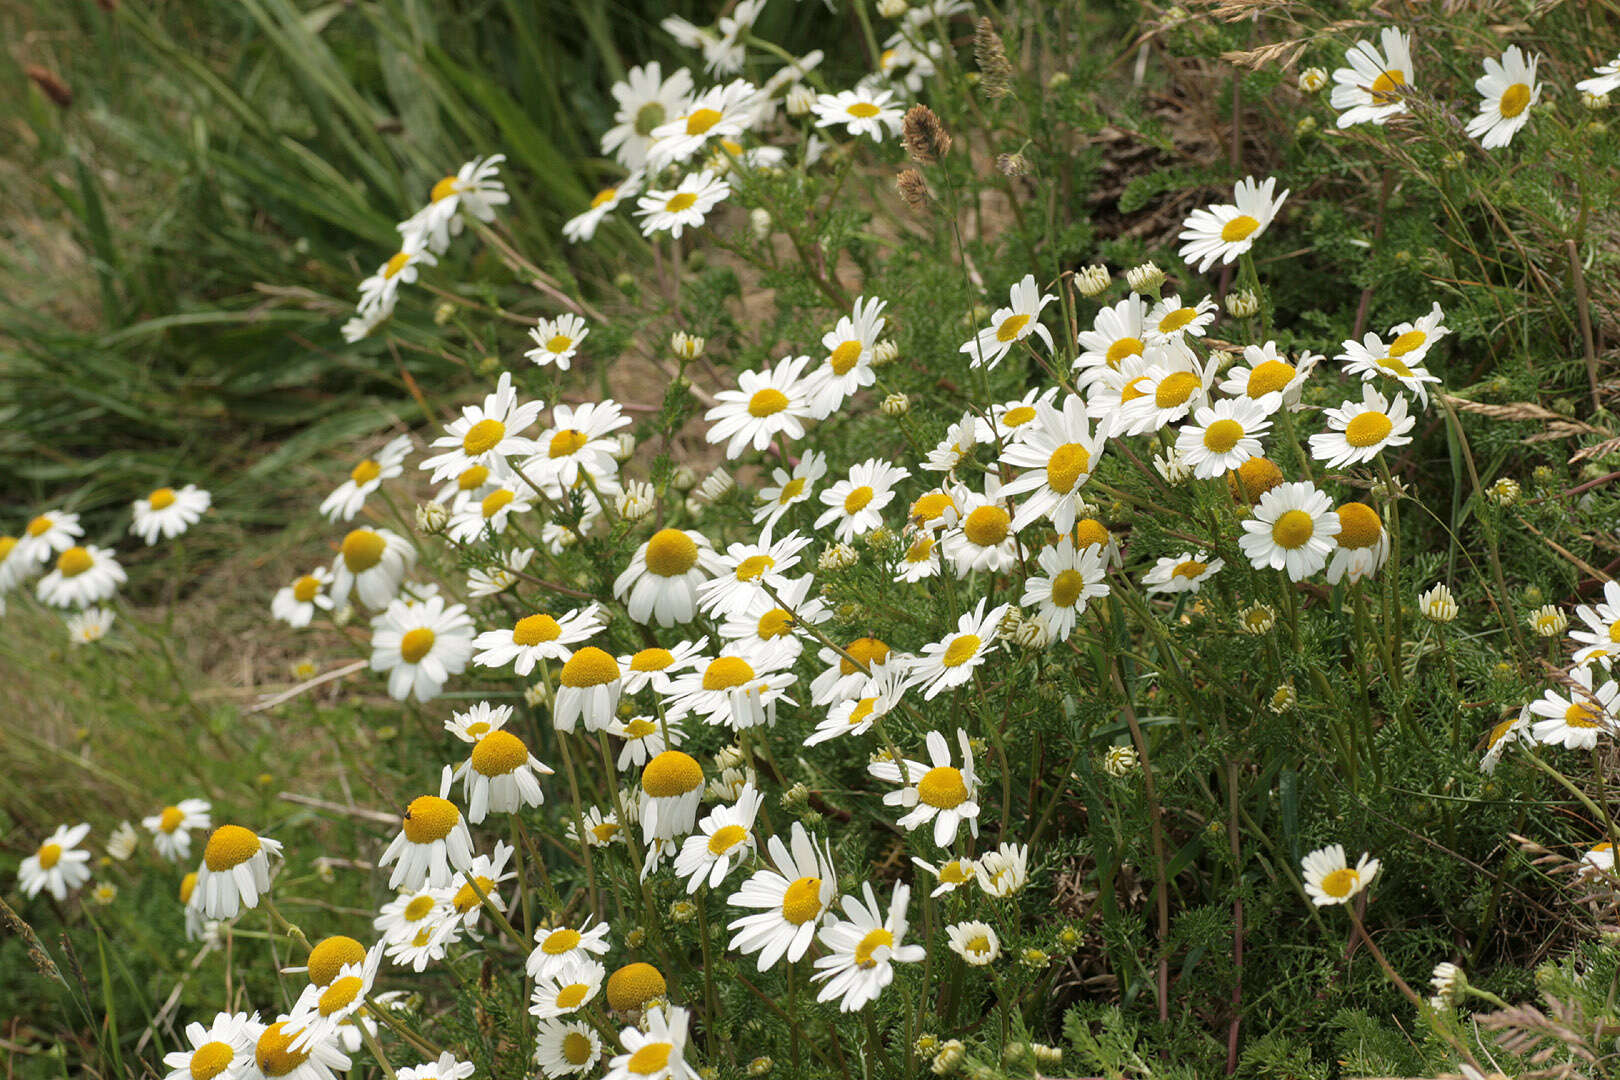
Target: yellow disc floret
[230,846]
[329,956]
[499,753]
[363,549]
[589,666]
[429,818]
[671,774]
[671,553]
[634,985]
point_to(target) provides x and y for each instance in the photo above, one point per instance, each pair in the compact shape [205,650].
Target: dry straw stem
[1283,53]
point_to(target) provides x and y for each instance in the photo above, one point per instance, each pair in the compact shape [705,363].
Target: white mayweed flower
[1330,879]
[686,346]
[1092,280]
[1242,304]
[1172,465]
[1548,621]
[1449,982]
[716,485]
[1145,278]
[885,352]
[1119,760]
[1438,605]
[121,844]
[1283,699]
[624,447]
[800,100]
[759,222]
[896,405]
[838,557]
[432,517]
[1312,79]
[1505,492]
[636,501]
[1257,619]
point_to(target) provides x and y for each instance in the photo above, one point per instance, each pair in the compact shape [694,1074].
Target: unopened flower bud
[443,313]
[1283,699]
[896,405]
[1595,102]
[759,222]
[1092,280]
[716,486]
[1438,605]
[1119,760]
[682,911]
[686,346]
[838,557]
[1242,304]
[1312,79]
[432,517]
[891,9]
[1505,492]
[1145,278]
[885,352]
[683,478]
[800,100]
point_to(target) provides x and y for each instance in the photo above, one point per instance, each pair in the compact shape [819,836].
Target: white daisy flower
[659,1053]
[14,568]
[566,1047]
[1069,579]
[1292,528]
[1011,421]
[767,403]
[765,624]
[1361,547]
[986,539]
[841,679]
[717,112]
[1508,91]
[488,873]
[367,476]
[920,560]
[410,913]
[959,441]
[1171,386]
[87,626]
[1413,340]
[1170,318]
[561,946]
[473,482]
[863,948]
[537,637]
[447,1067]
[1011,324]
[474,190]
[1330,879]
[663,577]
[420,646]
[166,513]
[320,1010]
[581,228]
[1514,729]
[1576,717]
[478,721]
[1266,377]
[601,827]
[566,988]
[580,440]
[746,569]
[951,875]
[171,827]
[938,792]
[793,896]
[1223,231]
[1058,456]
[432,838]
[1600,639]
[221,1051]
[975,942]
[588,689]
[684,206]
[671,788]
[856,502]
[57,865]
[724,839]
[475,520]
[493,580]
[935,510]
[736,689]
[486,434]
[277,1059]
[82,576]
[864,111]
[556,341]
[655,666]
[951,661]
[645,101]
[1359,433]
[1606,79]
[848,366]
[235,871]
[500,776]
[1186,572]
[47,534]
[1370,358]
[371,564]
[380,291]
[1091,533]
[1369,91]
[788,489]
[1222,436]
[359,327]
[1598,859]
[328,958]
[1004,871]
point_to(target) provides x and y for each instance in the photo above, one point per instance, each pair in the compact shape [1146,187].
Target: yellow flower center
[1089,532]
[466,897]
[1133,389]
[340,995]
[920,550]
[863,110]
[1515,99]
[930,506]
[653,659]
[1579,716]
[1011,327]
[987,526]
[329,956]
[1256,476]
[1066,466]
[572,995]
[844,357]
[870,944]
[857,499]
[230,846]
[7,545]
[39,526]
[1395,366]
[1293,529]
[1119,350]
[680,201]
[565,442]
[589,666]
[495,502]
[650,1059]
[1189,569]
[866,650]
[188,885]
[1269,377]
[416,644]
[1177,319]
[671,553]
[499,753]
[605,831]
[49,855]
[978,945]
[601,198]
[472,478]
[535,630]
[801,902]
[639,728]
[1368,429]
[1067,586]
[775,623]
[753,566]
[443,189]
[1018,416]
[727,672]
[74,561]
[418,909]
[171,818]
[483,436]
[1340,883]
[791,490]
[274,1052]
[1174,389]
[1407,342]
[701,120]
[962,649]
[396,262]
[161,499]
[210,1059]
[1383,88]
[634,984]
[1239,228]
[767,402]
[671,774]
[363,549]
[560,941]
[1359,526]
[725,838]
[365,472]
[430,818]
[1222,435]
[943,787]
[956,872]
[863,708]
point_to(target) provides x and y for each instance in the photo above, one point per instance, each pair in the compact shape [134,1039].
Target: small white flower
[975,942]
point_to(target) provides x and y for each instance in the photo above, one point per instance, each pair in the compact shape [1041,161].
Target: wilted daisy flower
[420,646]
[1292,528]
[371,564]
[655,666]
[684,206]
[556,341]
[645,101]
[951,661]
[565,1047]
[1548,621]
[565,988]
[1065,586]
[768,403]
[579,229]
[1058,456]
[1004,871]
[320,1010]
[671,788]
[863,110]
[486,434]
[88,626]
[82,576]
[662,580]
[57,865]
[1515,728]
[1011,324]
[488,873]
[856,502]
[1370,358]
[171,828]
[1222,437]
[367,476]
[1370,89]
[938,792]
[794,896]
[1576,717]
[724,839]
[863,948]
[221,1051]
[166,513]
[1508,90]
[1266,377]
[537,637]
[1224,231]
[850,347]
[659,1053]
[500,776]
[975,942]
[123,841]
[1330,879]
[432,838]
[1186,572]
[473,190]
[1360,433]
[788,489]
[1362,545]
[277,1059]
[855,715]
[235,871]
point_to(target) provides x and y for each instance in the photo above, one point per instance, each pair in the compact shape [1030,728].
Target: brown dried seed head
[1012,164]
[49,85]
[925,137]
[913,188]
[991,55]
